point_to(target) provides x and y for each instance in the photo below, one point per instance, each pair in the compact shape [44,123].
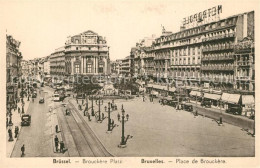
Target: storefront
[195,95]
[213,98]
[232,103]
[248,102]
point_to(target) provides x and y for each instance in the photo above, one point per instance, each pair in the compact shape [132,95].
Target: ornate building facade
[13,70]
[84,54]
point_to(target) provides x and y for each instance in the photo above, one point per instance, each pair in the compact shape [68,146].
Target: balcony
[218,48]
[219,37]
[244,47]
[218,58]
[243,63]
[243,78]
[217,68]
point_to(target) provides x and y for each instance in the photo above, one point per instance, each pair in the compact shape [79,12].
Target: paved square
[162,131]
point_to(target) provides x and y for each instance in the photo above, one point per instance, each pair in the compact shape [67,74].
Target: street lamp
[109,122]
[123,138]
[99,102]
[196,111]
[86,108]
[220,118]
[92,108]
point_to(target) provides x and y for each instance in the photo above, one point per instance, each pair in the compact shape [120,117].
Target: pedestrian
[56,140]
[57,128]
[118,117]
[16,131]
[18,109]
[23,150]
[61,146]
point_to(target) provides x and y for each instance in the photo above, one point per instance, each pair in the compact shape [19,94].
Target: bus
[59,95]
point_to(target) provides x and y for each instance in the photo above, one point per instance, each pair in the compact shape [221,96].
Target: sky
[43,26]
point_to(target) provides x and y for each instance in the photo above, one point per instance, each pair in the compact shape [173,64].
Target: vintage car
[26,120]
[206,103]
[34,95]
[172,103]
[41,100]
[234,110]
[187,107]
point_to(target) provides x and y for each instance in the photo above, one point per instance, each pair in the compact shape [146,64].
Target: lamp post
[99,102]
[92,108]
[253,134]
[123,138]
[109,122]
[86,108]
[196,111]
[123,127]
[220,118]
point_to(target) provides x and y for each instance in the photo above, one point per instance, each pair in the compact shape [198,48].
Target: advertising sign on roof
[206,16]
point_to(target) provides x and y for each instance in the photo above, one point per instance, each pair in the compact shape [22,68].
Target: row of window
[89,68]
[197,30]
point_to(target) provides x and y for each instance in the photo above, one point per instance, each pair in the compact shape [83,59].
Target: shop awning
[212,96]
[230,98]
[154,93]
[173,89]
[225,97]
[195,93]
[248,100]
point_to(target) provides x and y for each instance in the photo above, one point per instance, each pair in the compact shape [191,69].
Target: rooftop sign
[203,17]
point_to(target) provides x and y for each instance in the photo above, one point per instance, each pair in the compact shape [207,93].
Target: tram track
[85,139]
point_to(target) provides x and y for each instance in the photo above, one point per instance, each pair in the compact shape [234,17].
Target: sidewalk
[215,113]
[54,121]
[16,119]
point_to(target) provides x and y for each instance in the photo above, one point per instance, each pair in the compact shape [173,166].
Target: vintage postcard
[129,83]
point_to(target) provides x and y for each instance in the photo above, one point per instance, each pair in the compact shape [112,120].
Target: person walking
[16,131]
[61,146]
[56,140]
[18,109]
[23,150]
[57,128]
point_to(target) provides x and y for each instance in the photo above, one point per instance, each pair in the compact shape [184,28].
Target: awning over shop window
[173,89]
[248,99]
[212,96]
[154,93]
[195,93]
[225,97]
[230,98]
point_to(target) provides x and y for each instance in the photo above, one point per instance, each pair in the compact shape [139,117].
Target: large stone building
[212,59]
[13,70]
[57,62]
[86,53]
[46,66]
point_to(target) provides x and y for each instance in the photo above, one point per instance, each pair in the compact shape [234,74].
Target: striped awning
[195,93]
[230,98]
[248,99]
[212,96]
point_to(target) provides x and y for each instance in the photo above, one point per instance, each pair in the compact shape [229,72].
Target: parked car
[172,103]
[206,104]
[34,95]
[26,120]
[234,110]
[187,107]
[41,100]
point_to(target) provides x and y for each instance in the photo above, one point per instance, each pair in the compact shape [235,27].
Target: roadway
[78,137]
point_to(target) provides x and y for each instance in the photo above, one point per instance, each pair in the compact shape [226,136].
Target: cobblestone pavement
[162,131]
